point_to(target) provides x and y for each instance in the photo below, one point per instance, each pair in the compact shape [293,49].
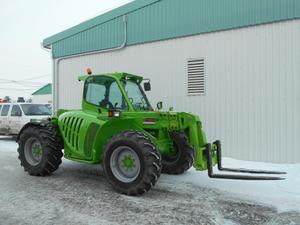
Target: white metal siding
[42,99]
[252,99]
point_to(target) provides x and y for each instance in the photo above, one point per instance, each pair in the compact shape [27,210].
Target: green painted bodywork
[154,20]
[85,132]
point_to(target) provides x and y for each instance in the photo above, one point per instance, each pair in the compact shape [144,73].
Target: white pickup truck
[13,116]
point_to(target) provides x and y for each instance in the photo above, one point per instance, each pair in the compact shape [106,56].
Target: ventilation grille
[71,127]
[196,77]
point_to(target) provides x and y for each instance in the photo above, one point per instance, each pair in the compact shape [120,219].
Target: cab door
[87,126]
[15,119]
[4,128]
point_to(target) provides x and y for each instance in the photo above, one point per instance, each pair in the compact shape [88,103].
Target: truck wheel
[40,149]
[131,163]
[184,158]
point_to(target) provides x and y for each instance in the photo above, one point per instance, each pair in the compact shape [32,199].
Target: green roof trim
[154,20]
[132,6]
[45,90]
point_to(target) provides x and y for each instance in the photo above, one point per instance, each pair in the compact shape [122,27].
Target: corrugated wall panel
[167,19]
[174,18]
[103,18]
[108,35]
[252,100]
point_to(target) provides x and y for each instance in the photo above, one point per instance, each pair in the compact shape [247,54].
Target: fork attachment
[217,144]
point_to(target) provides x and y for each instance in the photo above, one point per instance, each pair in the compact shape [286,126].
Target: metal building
[236,63]
[43,95]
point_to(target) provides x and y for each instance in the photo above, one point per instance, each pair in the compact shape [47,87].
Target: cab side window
[104,92]
[0,107]
[5,110]
[95,93]
[16,111]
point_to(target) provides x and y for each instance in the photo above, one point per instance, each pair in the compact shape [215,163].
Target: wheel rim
[125,164]
[33,151]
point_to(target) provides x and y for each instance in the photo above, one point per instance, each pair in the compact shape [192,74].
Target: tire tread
[186,159]
[51,145]
[151,157]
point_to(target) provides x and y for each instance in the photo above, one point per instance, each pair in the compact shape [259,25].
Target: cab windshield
[136,95]
[104,91]
[35,109]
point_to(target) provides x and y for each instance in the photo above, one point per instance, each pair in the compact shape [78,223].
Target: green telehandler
[118,128]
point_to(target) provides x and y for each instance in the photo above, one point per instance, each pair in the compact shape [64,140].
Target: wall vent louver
[196,77]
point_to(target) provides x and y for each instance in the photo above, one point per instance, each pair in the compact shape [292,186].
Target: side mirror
[159,105]
[147,86]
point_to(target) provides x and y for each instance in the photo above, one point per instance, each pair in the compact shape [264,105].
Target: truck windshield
[35,109]
[136,95]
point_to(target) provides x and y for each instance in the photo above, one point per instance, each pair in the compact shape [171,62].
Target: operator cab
[118,93]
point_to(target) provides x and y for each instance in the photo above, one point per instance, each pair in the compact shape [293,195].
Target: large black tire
[184,158]
[46,137]
[147,158]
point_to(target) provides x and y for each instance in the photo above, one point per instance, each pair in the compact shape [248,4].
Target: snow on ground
[79,194]
[283,194]
[7,143]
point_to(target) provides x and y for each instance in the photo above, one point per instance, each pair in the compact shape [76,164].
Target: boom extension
[235,177]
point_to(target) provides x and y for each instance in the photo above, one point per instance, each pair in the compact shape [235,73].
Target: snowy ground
[79,194]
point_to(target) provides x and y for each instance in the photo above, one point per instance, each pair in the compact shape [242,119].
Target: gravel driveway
[78,194]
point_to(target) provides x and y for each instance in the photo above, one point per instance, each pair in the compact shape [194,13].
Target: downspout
[57,61]
[49,50]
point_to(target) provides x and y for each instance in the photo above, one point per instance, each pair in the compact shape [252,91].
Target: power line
[25,82]
[27,79]
[33,86]
[18,89]
[22,83]
[34,78]
[15,81]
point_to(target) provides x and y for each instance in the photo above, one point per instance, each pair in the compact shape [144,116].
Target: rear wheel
[33,151]
[132,164]
[40,150]
[184,157]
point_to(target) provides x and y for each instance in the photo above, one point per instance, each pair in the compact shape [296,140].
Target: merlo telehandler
[118,128]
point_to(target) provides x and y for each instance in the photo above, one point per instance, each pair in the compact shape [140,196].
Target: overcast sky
[23,26]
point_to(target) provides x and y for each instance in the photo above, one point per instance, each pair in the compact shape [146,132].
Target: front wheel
[132,164]
[182,160]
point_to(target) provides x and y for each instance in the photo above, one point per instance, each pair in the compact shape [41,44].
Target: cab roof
[117,76]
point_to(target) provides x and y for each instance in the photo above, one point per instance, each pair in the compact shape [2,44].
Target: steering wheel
[104,103]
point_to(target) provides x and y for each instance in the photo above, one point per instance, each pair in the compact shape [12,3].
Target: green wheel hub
[37,150]
[128,162]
